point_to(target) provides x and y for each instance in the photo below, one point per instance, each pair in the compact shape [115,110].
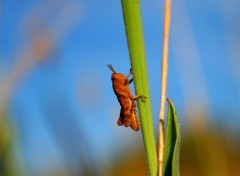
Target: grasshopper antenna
[111,68]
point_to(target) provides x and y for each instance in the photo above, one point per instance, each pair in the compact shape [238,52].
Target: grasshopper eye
[126,81]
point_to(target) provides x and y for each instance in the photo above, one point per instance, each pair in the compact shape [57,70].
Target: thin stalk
[167,16]
[134,32]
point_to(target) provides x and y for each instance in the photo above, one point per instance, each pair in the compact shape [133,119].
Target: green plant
[172,142]
[133,25]
[169,161]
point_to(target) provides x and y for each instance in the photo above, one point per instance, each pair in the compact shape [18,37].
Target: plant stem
[133,26]
[167,15]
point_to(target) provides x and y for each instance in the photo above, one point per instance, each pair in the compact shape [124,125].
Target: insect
[128,113]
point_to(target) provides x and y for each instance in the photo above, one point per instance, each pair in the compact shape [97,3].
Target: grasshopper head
[117,77]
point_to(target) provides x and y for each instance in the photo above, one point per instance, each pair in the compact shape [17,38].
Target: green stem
[133,26]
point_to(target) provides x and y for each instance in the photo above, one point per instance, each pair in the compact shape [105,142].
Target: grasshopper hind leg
[120,121]
[135,124]
[124,122]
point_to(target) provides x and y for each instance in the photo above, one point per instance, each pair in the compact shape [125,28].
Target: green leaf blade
[135,40]
[172,143]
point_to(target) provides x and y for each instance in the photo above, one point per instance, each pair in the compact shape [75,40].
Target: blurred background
[58,112]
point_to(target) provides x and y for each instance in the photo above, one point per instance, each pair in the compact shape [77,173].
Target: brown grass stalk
[167,15]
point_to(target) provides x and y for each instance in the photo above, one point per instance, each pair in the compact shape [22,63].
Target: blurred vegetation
[10,163]
[205,159]
[215,155]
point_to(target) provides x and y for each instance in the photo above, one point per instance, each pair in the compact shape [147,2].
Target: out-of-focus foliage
[10,163]
[215,155]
